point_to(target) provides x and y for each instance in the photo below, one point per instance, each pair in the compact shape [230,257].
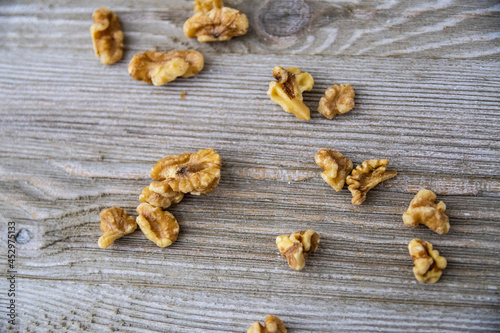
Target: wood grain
[77,137]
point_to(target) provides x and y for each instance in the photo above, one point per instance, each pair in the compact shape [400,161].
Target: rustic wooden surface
[77,137]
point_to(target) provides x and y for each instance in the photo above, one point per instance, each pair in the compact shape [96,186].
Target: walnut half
[297,247]
[214,22]
[272,325]
[366,176]
[335,167]
[115,223]
[337,100]
[107,36]
[159,68]
[428,263]
[423,210]
[160,195]
[288,88]
[159,226]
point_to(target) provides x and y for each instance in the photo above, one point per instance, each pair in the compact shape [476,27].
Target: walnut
[335,167]
[159,226]
[272,325]
[423,210]
[297,247]
[107,36]
[196,173]
[288,88]
[366,176]
[160,195]
[213,22]
[115,223]
[337,100]
[428,263]
[159,68]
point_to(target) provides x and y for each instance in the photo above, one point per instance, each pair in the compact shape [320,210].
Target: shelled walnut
[428,263]
[338,99]
[107,36]
[272,325]
[335,167]
[288,88]
[366,176]
[160,195]
[159,226]
[197,173]
[159,68]
[297,247]
[214,22]
[115,223]
[423,210]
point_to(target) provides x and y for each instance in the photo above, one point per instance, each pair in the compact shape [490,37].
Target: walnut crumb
[183,94]
[423,210]
[159,226]
[338,99]
[428,263]
[107,36]
[115,223]
[297,247]
[272,325]
[335,167]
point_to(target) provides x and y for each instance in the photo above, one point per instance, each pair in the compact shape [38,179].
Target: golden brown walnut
[159,68]
[297,247]
[288,88]
[272,325]
[115,223]
[423,210]
[159,226]
[197,173]
[366,176]
[107,36]
[428,263]
[335,167]
[337,100]
[160,195]
[212,22]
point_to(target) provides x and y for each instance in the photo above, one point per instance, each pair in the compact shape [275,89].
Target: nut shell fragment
[366,176]
[335,167]
[115,223]
[338,99]
[423,210]
[159,226]
[428,263]
[160,195]
[297,247]
[159,68]
[272,325]
[107,36]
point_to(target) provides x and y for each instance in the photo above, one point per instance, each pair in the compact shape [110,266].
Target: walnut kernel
[159,226]
[288,88]
[159,68]
[428,263]
[366,176]
[297,247]
[423,210]
[115,223]
[160,195]
[272,325]
[335,167]
[197,173]
[337,100]
[107,36]
[213,22]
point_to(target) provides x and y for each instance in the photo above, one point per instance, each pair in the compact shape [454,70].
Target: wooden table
[78,137]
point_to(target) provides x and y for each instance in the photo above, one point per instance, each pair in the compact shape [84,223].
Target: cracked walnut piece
[366,176]
[160,195]
[159,226]
[272,325]
[288,88]
[197,173]
[159,68]
[115,223]
[212,22]
[297,247]
[107,36]
[337,100]
[428,263]
[335,167]
[423,210]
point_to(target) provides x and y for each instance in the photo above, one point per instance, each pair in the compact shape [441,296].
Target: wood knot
[283,18]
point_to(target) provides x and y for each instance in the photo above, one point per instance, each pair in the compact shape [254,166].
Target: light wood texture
[77,137]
